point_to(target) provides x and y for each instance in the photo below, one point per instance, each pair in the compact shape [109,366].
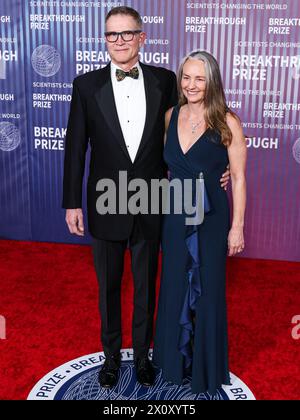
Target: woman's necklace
[195,125]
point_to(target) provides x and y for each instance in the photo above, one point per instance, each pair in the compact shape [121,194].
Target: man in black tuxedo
[122,116]
[120,111]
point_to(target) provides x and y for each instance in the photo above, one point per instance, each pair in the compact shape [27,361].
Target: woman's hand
[225,178]
[236,241]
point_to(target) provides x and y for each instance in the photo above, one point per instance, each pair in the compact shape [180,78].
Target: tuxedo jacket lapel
[153,99]
[106,102]
[105,99]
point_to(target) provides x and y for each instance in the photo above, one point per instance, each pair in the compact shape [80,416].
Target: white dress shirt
[130,101]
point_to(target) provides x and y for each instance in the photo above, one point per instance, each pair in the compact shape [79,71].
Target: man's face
[124,53]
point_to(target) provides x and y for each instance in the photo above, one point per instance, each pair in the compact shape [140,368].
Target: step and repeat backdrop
[45,44]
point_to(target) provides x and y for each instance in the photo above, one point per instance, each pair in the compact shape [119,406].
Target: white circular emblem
[296,151]
[10,136]
[46,60]
[78,380]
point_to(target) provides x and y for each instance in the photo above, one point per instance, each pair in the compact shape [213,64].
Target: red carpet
[49,300]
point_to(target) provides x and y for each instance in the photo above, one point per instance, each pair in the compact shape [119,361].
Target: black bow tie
[133,73]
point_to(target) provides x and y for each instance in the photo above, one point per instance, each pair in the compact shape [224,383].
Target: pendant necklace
[195,125]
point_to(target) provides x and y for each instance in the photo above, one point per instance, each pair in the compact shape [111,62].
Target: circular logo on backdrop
[78,380]
[296,151]
[46,60]
[10,136]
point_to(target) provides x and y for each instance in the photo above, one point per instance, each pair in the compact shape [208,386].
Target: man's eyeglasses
[127,36]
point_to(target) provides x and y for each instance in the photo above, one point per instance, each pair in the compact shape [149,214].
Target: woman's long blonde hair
[214,99]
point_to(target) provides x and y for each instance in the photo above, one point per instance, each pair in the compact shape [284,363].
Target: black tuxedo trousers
[109,264]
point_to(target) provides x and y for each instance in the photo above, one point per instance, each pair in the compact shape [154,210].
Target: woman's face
[193,82]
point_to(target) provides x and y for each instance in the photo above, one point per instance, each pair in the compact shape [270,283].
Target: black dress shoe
[144,371]
[109,373]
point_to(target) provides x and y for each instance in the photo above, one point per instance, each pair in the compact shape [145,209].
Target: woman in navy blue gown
[202,137]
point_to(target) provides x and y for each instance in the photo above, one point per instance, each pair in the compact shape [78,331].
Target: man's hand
[74,219]
[225,179]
